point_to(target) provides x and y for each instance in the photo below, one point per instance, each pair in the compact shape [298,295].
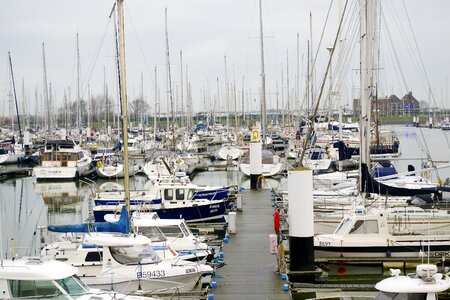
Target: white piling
[301,220]
[255,163]
[232,228]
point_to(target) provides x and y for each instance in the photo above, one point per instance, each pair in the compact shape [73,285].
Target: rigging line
[418,52]
[343,56]
[397,60]
[130,19]
[309,134]
[94,60]
[319,46]
[405,38]
[346,53]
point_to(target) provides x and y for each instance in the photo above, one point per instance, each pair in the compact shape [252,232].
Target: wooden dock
[249,271]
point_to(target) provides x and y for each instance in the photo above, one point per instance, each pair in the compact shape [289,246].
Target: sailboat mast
[15,95]
[46,90]
[263,78]
[78,88]
[367,53]
[123,96]
[155,116]
[168,79]
[181,88]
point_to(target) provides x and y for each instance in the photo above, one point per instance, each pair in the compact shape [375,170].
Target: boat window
[93,256]
[400,296]
[33,288]
[168,194]
[47,156]
[136,254]
[190,194]
[80,155]
[179,194]
[343,227]
[172,231]
[72,285]
[71,156]
[364,226]
[153,233]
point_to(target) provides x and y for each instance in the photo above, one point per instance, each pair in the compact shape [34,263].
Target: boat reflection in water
[59,196]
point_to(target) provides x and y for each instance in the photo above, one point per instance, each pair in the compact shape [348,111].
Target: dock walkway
[249,272]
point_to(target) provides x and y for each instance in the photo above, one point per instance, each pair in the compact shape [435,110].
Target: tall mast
[46,96]
[263,78]
[181,87]
[287,90]
[123,96]
[297,81]
[368,27]
[155,116]
[15,96]
[168,79]
[78,88]
[227,94]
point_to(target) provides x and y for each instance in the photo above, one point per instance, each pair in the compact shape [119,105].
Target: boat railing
[91,183]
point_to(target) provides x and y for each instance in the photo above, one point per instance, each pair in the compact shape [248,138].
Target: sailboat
[10,151]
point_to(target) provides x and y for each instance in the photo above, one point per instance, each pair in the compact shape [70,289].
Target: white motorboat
[369,235]
[29,278]
[63,160]
[271,164]
[177,233]
[424,284]
[126,263]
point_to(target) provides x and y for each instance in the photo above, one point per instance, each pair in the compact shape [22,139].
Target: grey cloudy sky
[206,31]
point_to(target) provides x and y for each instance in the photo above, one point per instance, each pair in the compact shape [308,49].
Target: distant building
[392,105]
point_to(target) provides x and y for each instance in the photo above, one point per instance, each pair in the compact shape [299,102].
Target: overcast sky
[206,31]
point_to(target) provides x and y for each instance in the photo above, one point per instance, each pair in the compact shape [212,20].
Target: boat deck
[249,271]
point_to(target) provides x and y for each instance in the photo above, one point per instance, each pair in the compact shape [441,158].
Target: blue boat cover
[122,226]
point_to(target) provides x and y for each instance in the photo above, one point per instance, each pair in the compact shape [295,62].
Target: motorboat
[127,263]
[362,234]
[33,278]
[177,234]
[424,284]
[63,160]
[171,198]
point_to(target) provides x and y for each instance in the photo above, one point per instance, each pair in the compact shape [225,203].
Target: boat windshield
[72,285]
[154,233]
[136,254]
[343,227]
[34,289]
[400,296]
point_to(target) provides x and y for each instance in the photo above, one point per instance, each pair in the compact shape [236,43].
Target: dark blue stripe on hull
[215,210]
[443,250]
